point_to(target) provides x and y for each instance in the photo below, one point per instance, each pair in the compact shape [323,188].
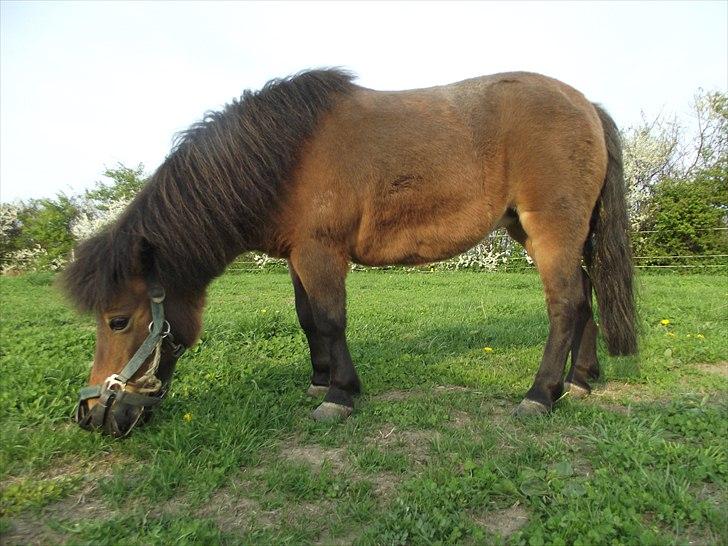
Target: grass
[431,455]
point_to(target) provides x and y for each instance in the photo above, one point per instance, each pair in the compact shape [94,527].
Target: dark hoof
[576,391]
[317,390]
[528,408]
[328,411]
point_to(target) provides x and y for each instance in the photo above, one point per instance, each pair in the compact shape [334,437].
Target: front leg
[318,347]
[321,271]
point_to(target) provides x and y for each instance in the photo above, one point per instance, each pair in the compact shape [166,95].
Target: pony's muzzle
[116,419]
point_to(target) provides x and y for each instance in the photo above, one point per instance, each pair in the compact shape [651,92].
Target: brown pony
[323,172]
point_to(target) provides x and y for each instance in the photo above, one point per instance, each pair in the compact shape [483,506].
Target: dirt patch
[31,528]
[402,395]
[445,389]
[310,511]
[615,390]
[710,492]
[689,534]
[615,408]
[385,485]
[719,368]
[233,513]
[64,467]
[344,540]
[81,505]
[416,443]
[314,456]
[500,412]
[461,419]
[27,530]
[503,522]
[396,396]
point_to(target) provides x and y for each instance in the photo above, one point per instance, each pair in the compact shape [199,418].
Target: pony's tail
[608,253]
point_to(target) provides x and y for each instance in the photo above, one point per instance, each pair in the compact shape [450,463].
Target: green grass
[431,455]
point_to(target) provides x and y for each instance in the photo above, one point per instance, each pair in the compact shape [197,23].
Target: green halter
[113,389]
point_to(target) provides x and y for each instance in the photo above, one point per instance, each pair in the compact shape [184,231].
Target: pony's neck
[186,234]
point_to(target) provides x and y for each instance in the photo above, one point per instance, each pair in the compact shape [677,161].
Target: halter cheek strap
[113,389]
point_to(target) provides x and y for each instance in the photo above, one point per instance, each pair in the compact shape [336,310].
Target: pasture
[431,454]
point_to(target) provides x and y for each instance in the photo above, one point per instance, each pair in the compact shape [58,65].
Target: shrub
[687,218]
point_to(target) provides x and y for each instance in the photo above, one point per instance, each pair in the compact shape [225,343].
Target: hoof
[328,411]
[576,391]
[528,408]
[317,390]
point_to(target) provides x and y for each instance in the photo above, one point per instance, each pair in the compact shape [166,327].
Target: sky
[88,85]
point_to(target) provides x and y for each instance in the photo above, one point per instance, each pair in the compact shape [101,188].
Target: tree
[46,229]
[125,184]
[663,149]
[105,202]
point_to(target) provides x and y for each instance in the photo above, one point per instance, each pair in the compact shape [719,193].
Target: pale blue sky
[86,85]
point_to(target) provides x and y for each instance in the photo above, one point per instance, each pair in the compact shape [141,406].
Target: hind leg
[584,363]
[318,347]
[555,243]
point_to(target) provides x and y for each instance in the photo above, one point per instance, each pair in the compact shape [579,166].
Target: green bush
[687,218]
[46,223]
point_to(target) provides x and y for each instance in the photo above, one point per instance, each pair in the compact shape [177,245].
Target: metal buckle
[113,383]
[166,328]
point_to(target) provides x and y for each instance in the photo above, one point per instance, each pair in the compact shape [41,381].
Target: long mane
[211,197]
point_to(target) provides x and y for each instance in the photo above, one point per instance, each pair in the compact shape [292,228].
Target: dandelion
[487,349]
[700,336]
[187,417]
[664,322]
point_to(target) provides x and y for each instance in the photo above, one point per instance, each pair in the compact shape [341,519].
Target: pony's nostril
[89,419]
[83,416]
[125,417]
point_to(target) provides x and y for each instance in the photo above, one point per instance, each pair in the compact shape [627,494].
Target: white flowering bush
[92,219]
[9,222]
[263,261]
[649,154]
[495,252]
[29,259]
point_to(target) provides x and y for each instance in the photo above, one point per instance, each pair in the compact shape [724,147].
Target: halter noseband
[113,389]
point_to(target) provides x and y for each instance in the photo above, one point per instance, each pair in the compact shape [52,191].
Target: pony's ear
[150,270]
[147,263]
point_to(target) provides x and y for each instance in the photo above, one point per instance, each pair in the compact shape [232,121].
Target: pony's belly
[433,241]
[419,254]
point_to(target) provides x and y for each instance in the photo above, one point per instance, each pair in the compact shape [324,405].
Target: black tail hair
[609,255]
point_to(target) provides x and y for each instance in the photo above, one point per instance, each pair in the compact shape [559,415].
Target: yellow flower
[187,417]
[264,311]
[487,349]
[672,334]
[664,322]
[700,336]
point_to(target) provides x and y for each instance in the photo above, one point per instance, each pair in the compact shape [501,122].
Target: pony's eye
[118,323]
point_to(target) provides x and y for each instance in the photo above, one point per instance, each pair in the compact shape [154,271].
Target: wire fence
[498,252]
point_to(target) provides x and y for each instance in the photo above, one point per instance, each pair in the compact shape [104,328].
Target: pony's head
[141,330]
[213,198]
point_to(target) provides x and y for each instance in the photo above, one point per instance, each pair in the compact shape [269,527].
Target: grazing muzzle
[123,403]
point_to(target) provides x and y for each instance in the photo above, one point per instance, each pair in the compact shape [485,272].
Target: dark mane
[212,196]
